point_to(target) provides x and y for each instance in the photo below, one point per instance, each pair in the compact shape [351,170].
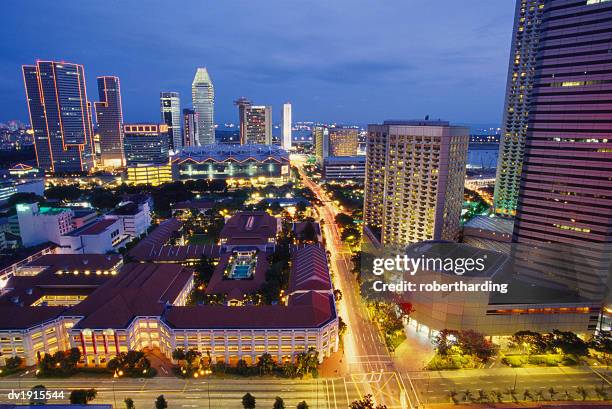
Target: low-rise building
[98,237]
[40,224]
[149,174]
[255,164]
[136,217]
[250,230]
[339,168]
[144,306]
[13,186]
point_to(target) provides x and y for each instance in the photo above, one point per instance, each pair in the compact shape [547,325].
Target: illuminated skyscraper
[146,144]
[286,126]
[60,115]
[525,37]
[320,139]
[343,141]
[565,203]
[203,95]
[415,172]
[243,105]
[190,127]
[110,122]
[170,105]
[259,125]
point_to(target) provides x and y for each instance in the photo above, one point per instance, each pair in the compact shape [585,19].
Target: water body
[483,156]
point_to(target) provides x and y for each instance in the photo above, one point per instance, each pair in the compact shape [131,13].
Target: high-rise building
[146,144]
[415,172]
[320,139]
[286,126]
[60,115]
[343,141]
[203,95]
[243,105]
[109,116]
[170,105]
[258,125]
[565,201]
[190,127]
[527,19]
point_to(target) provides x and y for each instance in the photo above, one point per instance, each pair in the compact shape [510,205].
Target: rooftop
[495,224]
[250,228]
[128,209]
[142,289]
[93,228]
[308,311]
[227,153]
[309,270]
[237,288]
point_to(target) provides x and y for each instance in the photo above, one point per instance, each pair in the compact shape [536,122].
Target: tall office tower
[565,200]
[343,141]
[203,95]
[527,19]
[286,121]
[146,144]
[170,105]
[243,105]
[190,127]
[415,172]
[60,115]
[320,138]
[109,116]
[258,125]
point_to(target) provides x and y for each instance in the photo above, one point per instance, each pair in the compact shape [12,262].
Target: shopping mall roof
[236,153]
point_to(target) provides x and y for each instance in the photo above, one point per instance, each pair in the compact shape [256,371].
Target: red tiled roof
[309,270]
[156,239]
[71,262]
[93,228]
[194,204]
[250,225]
[16,317]
[300,315]
[140,290]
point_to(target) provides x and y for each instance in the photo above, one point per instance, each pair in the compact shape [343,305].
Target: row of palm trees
[514,395]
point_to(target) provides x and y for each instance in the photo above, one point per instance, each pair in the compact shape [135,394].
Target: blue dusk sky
[357,61]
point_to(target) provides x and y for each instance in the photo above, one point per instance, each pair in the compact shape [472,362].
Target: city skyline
[288,66]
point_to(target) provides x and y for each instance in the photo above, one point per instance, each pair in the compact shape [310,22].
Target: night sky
[335,60]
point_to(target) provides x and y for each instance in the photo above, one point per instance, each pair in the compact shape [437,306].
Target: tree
[38,395]
[278,403]
[337,294]
[24,197]
[266,364]
[160,402]
[129,403]
[13,362]
[569,343]
[365,403]
[445,341]
[82,396]
[602,343]
[531,342]
[302,405]
[248,401]
[343,220]
[584,394]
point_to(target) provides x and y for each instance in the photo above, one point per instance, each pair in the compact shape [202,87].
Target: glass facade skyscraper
[109,116]
[60,115]
[203,95]
[146,144]
[170,105]
[527,18]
